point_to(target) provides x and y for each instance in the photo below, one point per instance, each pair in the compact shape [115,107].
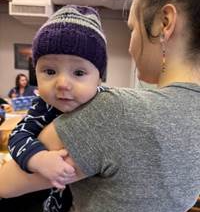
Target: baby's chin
[66,106]
[66,110]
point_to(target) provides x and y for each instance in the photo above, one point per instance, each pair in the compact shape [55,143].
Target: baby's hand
[51,164]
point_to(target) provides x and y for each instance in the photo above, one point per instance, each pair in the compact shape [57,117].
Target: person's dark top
[29,91]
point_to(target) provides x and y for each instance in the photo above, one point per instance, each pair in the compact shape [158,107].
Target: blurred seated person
[22,87]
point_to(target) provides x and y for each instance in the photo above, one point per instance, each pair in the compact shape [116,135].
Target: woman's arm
[15,182]
[12,93]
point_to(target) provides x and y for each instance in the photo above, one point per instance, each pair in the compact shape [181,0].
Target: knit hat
[73,30]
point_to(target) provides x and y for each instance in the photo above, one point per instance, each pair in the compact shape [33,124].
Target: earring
[162,41]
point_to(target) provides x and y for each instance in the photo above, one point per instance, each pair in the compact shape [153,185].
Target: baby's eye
[50,71]
[79,72]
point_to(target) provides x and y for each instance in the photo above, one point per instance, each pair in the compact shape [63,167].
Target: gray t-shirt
[139,148]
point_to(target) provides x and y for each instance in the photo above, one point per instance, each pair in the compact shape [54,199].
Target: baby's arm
[23,142]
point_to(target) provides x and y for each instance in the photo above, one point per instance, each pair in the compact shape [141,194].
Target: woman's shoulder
[136,98]
[13,89]
[117,98]
[121,93]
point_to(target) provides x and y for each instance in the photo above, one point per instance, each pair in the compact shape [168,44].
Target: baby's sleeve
[23,142]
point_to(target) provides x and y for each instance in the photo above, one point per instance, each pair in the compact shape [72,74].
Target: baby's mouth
[67,99]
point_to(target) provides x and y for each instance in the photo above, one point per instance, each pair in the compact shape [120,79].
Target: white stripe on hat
[75,17]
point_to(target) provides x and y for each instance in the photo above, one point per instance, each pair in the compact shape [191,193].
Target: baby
[70,58]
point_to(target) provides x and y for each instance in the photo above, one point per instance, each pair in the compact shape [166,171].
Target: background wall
[12,31]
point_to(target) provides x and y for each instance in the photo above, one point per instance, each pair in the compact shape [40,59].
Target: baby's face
[66,81]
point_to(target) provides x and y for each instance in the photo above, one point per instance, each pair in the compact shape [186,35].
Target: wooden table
[6,128]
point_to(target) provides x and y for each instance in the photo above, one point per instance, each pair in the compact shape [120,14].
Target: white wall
[12,31]
[119,62]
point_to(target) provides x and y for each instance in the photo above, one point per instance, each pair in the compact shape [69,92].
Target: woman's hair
[17,80]
[191,9]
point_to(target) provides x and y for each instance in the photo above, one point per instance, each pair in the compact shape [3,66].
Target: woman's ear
[168,20]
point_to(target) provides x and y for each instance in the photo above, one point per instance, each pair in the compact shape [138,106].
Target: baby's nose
[64,83]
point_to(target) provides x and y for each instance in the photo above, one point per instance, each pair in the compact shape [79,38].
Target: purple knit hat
[73,30]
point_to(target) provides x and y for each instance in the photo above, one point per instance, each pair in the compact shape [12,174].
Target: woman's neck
[179,72]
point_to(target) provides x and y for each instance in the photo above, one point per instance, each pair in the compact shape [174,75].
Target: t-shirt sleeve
[89,134]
